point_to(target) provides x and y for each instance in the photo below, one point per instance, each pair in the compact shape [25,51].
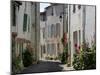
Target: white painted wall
[42,26]
[75,25]
[52,19]
[20,32]
[90,24]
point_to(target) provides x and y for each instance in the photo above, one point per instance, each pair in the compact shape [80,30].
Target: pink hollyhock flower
[75,45]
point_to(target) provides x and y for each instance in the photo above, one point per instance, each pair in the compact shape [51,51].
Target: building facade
[90,25]
[76,28]
[81,27]
[25,29]
[53,22]
[42,35]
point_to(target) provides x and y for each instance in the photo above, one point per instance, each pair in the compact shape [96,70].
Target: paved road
[43,66]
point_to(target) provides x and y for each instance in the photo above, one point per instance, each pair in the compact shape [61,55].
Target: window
[49,31]
[79,37]
[48,48]
[79,6]
[43,32]
[28,24]
[74,9]
[22,47]
[52,11]
[75,41]
[14,15]
[17,48]
[58,29]
[25,22]
[75,37]
[15,8]
[52,30]
[58,48]
[53,49]
[44,49]
[43,18]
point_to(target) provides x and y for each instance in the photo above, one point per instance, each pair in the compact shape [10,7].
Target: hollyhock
[65,38]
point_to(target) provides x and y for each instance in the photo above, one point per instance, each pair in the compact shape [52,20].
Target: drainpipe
[64,19]
[36,34]
[95,27]
[69,49]
[84,23]
[37,30]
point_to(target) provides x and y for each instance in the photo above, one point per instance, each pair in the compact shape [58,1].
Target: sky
[43,5]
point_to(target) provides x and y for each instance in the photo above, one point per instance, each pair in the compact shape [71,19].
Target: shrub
[27,58]
[90,56]
[51,58]
[78,62]
[86,59]
[17,64]
[64,56]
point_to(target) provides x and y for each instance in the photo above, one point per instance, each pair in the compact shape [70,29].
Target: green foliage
[90,56]
[78,62]
[17,64]
[86,59]
[63,57]
[27,58]
[51,58]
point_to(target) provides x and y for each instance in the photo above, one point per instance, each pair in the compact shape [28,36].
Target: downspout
[69,19]
[84,23]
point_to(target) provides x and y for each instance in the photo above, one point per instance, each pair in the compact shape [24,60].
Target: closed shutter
[28,24]
[25,22]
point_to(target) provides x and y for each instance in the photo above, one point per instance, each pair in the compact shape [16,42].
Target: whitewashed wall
[90,24]
[53,19]
[75,25]
[42,25]
[20,32]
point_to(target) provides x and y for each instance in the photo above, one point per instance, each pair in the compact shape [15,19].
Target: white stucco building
[81,27]
[53,29]
[26,27]
[42,35]
[90,24]
[75,28]
[42,32]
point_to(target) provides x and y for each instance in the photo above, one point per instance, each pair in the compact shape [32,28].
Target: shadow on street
[43,66]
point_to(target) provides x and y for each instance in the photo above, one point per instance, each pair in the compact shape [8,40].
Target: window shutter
[74,9]
[79,6]
[14,15]
[25,22]
[28,24]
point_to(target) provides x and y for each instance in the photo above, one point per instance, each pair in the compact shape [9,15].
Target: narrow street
[43,66]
